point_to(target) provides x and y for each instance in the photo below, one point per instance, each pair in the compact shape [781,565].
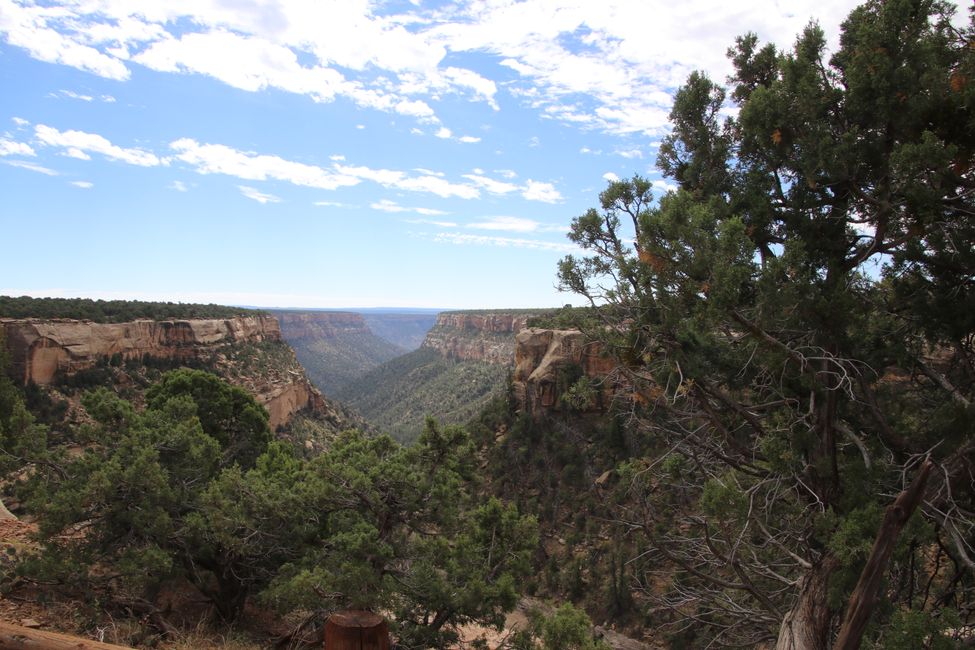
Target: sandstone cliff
[477,336]
[44,350]
[548,362]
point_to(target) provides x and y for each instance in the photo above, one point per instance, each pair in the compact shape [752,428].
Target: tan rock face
[43,349]
[543,358]
[40,349]
[476,336]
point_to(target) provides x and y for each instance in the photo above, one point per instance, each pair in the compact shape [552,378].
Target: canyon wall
[477,336]
[43,350]
[320,324]
[548,362]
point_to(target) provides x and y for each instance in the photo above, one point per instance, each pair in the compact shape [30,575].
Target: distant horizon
[374,310]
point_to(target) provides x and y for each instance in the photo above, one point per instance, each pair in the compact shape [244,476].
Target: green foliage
[112,311]
[194,488]
[817,240]
[567,628]
[136,491]
[227,413]
[399,395]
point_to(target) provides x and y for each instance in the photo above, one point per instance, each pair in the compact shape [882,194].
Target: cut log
[354,629]
[15,637]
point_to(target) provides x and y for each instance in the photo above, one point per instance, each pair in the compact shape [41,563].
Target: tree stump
[354,629]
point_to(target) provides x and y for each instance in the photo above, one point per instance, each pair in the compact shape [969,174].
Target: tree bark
[806,625]
[864,596]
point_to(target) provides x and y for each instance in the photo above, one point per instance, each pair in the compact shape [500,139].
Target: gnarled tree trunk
[807,625]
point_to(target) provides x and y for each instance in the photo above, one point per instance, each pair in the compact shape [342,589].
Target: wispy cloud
[515,224]
[629,153]
[491,185]
[504,242]
[385,205]
[248,165]
[179,186]
[73,95]
[34,167]
[77,144]
[432,222]
[256,195]
[85,185]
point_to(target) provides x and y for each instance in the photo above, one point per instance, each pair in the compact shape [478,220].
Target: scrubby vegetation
[399,395]
[193,490]
[112,311]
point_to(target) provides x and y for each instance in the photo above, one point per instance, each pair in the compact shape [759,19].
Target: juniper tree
[794,327]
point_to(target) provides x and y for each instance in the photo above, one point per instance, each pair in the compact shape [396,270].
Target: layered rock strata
[546,360]
[474,336]
[42,350]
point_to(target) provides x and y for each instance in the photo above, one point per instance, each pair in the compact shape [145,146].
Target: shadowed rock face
[543,357]
[476,336]
[41,350]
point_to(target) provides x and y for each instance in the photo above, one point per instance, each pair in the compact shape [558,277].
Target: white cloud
[179,186]
[469,139]
[260,197]
[386,205]
[534,141]
[74,95]
[611,177]
[34,167]
[510,224]
[506,173]
[594,68]
[77,144]
[75,152]
[333,204]
[13,148]
[491,185]
[504,242]
[20,122]
[443,132]
[108,99]
[221,159]
[544,192]
[85,185]
[664,186]
[30,27]
[515,224]
[249,165]
[629,153]
[432,222]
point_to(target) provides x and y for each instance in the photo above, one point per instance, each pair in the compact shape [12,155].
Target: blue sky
[302,153]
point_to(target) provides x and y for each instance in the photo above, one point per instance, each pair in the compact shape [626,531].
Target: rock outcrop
[477,336]
[43,350]
[547,361]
